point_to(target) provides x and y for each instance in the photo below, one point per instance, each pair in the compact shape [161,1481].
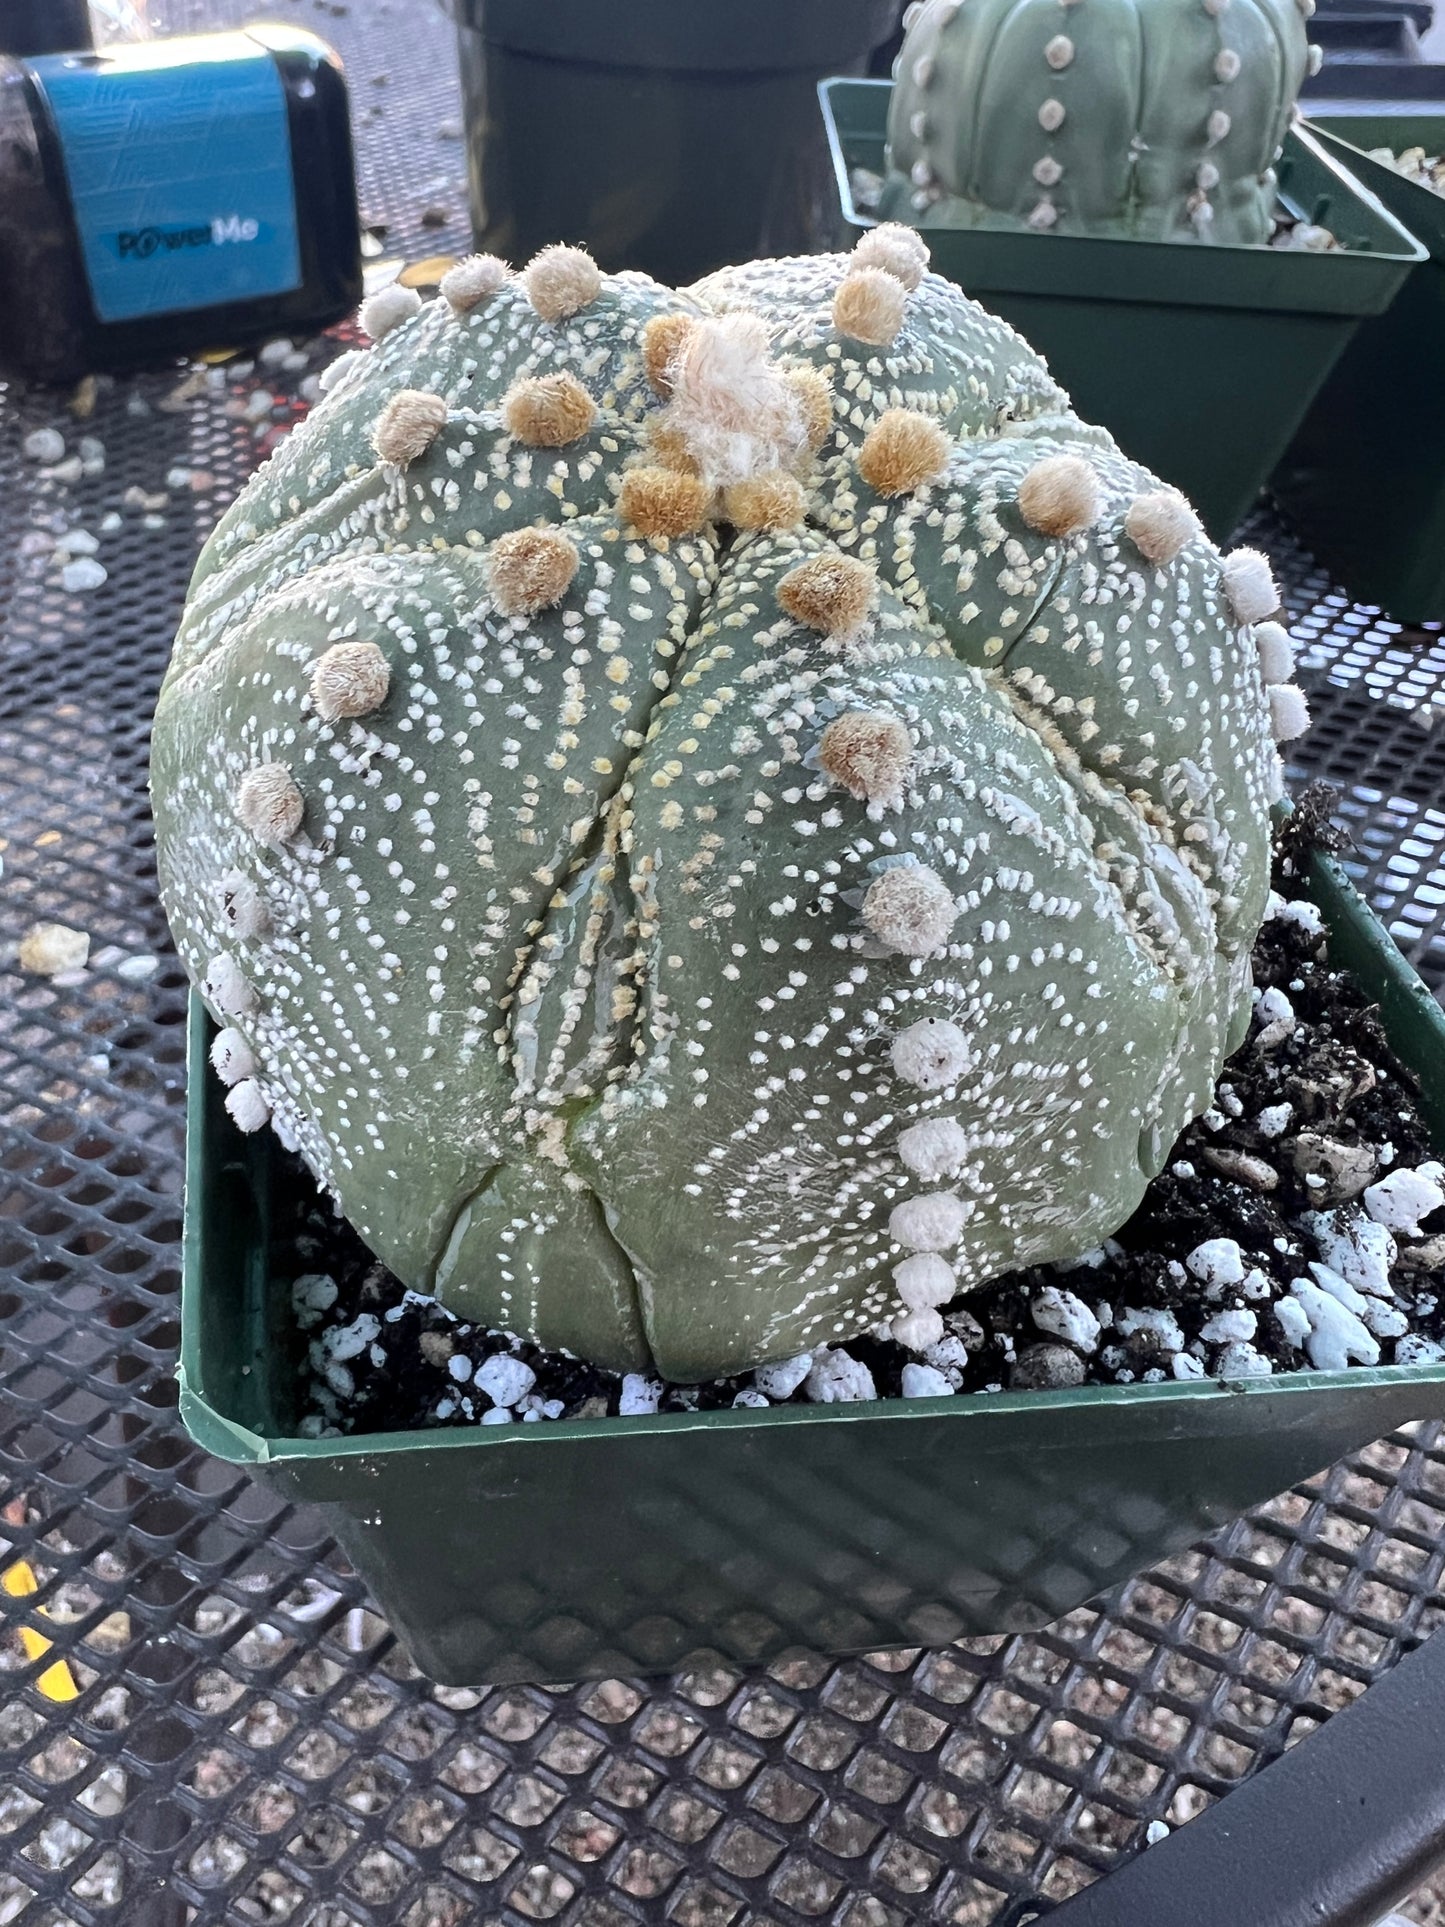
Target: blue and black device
[167,196]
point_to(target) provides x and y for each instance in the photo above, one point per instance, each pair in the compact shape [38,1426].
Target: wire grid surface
[246,1742]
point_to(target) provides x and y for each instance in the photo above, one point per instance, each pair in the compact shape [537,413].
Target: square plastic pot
[586,1548]
[670,136]
[1364,479]
[1200,360]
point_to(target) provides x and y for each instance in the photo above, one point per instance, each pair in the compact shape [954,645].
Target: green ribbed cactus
[1156,119]
[712,820]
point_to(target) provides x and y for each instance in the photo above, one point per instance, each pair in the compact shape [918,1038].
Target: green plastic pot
[594,1547]
[668,135]
[1201,361]
[1364,479]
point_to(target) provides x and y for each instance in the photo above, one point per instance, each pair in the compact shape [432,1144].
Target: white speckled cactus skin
[554,940]
[1157,119]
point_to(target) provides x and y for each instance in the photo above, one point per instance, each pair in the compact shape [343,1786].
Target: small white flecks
[932,1223]
[388,308]
[269,804]
[1059,52]
[1065,1316]
[639,1395]
[1159,524]
[1217,1264]
[869,306]
[351,679]
[243,908]
[1060,496]
[1226,65]
[922,1381]
[1216,127]
[1289,712]
[870,753]
[225,986]
[1051,116]
[934,1148]
[52,949]
[837,1378]
[1047,171]
[780,1381]
[231,1056]
[467,284]
[1044,214]
[407,426]
[897,250]
[924,1281]
[561,281]
[911,909]
[917,1330]
[1401,1200]
[505,1380]
[1250,586]
[931,1054]
[247,1105]
[1276,651]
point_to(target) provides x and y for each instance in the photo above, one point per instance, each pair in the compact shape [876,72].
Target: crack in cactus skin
[562,983]
[1155,119]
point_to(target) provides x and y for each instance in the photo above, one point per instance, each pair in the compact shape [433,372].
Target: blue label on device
[178,158]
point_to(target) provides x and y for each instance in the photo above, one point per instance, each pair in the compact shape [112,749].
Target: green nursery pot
[1364,479]
[1200,360]
[665,137]
[587,1548]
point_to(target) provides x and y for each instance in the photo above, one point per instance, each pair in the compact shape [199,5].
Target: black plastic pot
[1364,479]
[1201,361]
[672,136]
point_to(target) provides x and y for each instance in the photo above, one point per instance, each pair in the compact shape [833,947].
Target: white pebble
[45,445]
[1290,1316]
[495,1415]
[1216,1263]
[750,1399]
[312,1294]
[460,1367]
[77,542]
[1160,1322]
[1274,1008]
[1065,1316]
[1225,1326]
[1415,1349]
[1335,1334]
[507,1381]
[273,353]
[1274,1119]
[783,1379]
[1403,1199]
[837,1378]
[82,574]
[349,1341]
[1240,1360]
[1187,1366]
[922,1381]
[1358,1248]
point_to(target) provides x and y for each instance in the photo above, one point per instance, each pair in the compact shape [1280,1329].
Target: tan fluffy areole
[351,679]
[897,250]
[269,804]
[1060,496]
[530,569]
[870,753]
[667,447]
[548,411]
[467,284]
[561,281]
[869,306]
[831,593]
[408,425]
[664,502]
[662,341]
[902,451]
[774,500]
[815,398]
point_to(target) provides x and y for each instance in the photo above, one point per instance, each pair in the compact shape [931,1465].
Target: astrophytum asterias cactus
[715,820]
[1158,119]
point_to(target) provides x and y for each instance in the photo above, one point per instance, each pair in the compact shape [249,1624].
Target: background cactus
[1157,119]
[712,820]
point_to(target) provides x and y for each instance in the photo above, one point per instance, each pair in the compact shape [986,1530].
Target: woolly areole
[701,885]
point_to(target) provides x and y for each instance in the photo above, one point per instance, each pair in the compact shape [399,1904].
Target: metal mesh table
[222,1730]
